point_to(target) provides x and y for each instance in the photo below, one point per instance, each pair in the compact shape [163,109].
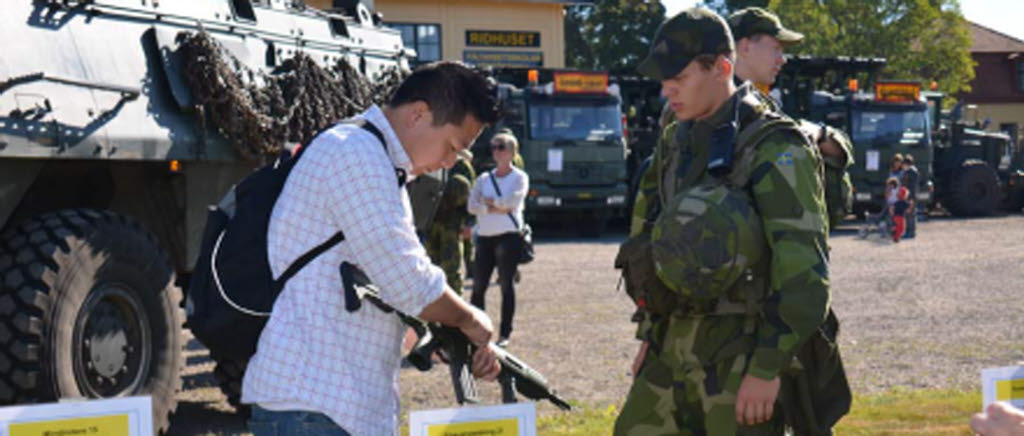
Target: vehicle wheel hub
[111,343]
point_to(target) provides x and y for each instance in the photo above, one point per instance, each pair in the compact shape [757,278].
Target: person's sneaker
[502,342]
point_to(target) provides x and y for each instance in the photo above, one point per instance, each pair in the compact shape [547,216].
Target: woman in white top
[499,216]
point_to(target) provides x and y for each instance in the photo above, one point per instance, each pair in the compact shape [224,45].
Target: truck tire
[229,375]
[88,308]
[973,190]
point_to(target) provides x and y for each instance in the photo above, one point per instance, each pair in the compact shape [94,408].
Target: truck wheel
[973,190]
[229,375]
[88,308]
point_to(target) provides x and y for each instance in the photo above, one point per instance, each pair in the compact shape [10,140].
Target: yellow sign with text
[897,91]
[110,425]
[1009,390]
[573,82]
[501,427]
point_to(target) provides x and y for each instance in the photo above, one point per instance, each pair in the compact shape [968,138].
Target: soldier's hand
[638,361]
[755,401]
[999,419]
[485,364]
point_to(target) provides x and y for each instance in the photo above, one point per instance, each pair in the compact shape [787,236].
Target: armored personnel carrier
[108,161]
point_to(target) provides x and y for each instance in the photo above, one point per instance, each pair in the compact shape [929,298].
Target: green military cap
[690,33]
[752,21]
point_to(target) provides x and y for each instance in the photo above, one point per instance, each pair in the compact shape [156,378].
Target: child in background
[898,211]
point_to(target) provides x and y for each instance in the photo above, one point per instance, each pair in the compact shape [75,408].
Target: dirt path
[929,312]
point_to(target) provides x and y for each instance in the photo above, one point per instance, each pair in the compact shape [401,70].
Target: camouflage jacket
[786,187]
[451,210]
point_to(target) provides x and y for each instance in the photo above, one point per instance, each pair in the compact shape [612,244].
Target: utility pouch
[642,282]
[815,393]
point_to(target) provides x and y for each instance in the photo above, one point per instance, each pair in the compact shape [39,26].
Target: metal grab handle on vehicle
[125,91]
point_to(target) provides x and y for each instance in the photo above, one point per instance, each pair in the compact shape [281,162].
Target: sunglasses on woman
[499,146]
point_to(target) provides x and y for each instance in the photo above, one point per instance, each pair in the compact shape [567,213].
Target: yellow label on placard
[1007,390]
[111,425]
[502,427]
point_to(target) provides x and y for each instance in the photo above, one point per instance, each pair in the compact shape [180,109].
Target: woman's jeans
[292,423]
[501,251]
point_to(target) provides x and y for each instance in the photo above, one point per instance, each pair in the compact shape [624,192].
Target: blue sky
[1002,15]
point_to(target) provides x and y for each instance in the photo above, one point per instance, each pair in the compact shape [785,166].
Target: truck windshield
[576,120]
[890,127]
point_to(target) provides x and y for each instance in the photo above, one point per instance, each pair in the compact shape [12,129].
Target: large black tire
[88,308]
[973,190]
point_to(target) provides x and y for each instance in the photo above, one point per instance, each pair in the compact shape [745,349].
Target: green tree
[923,40]
[725,7]
[611,34]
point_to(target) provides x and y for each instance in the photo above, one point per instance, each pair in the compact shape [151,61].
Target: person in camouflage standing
[444,241]
[713,349]
[760,42]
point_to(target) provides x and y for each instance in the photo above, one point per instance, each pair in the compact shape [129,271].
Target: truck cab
[572,140]
[892,120]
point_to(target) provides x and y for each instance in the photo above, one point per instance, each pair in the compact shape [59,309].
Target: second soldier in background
[445,240]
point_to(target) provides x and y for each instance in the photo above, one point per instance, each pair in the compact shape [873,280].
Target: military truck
[570,130]
[106,172]
[642,104]
[892,119]
[965,170]
[976,172]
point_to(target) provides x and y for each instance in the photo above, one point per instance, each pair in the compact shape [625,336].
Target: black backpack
[232,290]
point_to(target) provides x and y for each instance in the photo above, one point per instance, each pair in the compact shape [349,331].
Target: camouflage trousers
[689,379]
[445,250]
[467,256]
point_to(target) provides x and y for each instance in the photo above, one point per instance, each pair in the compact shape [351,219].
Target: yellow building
[510,33]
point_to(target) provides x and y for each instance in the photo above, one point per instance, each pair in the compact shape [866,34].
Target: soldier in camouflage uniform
[712,366]
[760,42]
[444,241]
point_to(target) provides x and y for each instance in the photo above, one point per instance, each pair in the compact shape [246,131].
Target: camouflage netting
[295,101]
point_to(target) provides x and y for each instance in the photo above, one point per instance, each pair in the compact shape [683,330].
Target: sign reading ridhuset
[502,38]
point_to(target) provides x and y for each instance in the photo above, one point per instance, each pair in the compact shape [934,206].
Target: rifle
[455,347]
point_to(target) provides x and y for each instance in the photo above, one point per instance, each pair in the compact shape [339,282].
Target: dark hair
[452,90]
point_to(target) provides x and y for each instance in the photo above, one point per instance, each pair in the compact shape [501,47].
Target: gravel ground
[925,313]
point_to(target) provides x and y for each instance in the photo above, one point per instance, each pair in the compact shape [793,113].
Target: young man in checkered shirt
[319,369]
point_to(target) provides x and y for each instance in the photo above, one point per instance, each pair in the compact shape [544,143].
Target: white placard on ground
[130,416]
[506,420]
[1003,384]
[872,160]
[555,160]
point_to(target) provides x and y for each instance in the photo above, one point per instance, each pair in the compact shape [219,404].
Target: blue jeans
[265,422]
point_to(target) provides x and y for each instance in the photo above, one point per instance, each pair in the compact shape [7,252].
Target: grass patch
[932,412]
[583,421]
[912,412]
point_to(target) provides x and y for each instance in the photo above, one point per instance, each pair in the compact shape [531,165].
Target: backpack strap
[494,182]
[308,257]
[369,127]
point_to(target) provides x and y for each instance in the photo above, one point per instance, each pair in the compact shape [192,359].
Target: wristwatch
[823,136]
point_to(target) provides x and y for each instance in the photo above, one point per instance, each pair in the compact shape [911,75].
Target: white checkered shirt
[313,355]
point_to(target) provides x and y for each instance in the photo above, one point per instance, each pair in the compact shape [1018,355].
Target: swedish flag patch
[784,159]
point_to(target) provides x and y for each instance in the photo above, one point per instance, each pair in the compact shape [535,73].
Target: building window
[424,38]
[1020,76]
